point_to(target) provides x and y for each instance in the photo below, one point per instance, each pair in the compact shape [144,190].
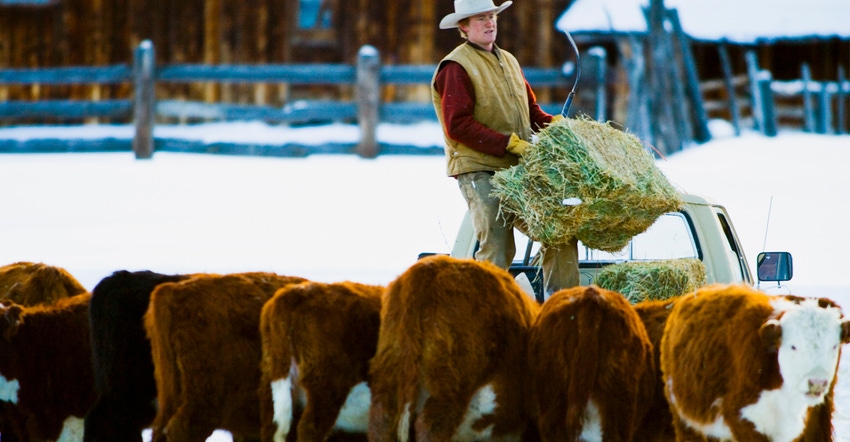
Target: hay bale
[622,191]
[653,280]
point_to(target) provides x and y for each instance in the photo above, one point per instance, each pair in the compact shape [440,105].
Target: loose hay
[622,190]
[653,280]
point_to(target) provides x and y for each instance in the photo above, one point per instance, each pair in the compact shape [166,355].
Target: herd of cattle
[452,350]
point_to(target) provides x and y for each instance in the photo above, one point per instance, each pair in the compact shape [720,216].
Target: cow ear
[11,321]
[771,335]
[845,332]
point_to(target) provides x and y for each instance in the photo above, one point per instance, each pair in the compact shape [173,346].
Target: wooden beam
[731,90]
[755,92]
[212,43]
[841,105]
[422,24]
[808,106]
[5,50]
[699,122]
[665,136]
[543,42]
[637,113]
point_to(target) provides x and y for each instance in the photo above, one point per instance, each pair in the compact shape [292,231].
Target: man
[488,113]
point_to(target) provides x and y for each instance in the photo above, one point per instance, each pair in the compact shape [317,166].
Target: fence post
[700,125]
[143,101]
[660,75]
[755,89]
[808,107]
[768,107]
[731,91]
[825,109]
[637,111]
[841,116]
[598,55]
[368,99]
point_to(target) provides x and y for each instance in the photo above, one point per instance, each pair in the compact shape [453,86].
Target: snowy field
[331,218]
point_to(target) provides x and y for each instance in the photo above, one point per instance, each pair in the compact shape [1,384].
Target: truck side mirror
[774,266]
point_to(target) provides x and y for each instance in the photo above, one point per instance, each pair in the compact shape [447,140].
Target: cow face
[809,340]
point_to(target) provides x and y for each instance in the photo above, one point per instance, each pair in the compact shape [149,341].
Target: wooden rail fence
[366,108]
[816,106]
[756,100]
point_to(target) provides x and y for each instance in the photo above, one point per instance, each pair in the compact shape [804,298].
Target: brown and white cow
[739,364]
[46,376]
[451,354]
[317,340]
[592,366]
[29,283]
[205,342]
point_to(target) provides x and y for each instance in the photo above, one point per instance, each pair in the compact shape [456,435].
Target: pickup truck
[701,229]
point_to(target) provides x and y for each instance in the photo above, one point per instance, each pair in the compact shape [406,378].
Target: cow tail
[583,363]
[159,323]
[410,381]
[275,365]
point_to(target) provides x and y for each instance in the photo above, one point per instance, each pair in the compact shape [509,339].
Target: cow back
[588,346]
[205,343]
[448,328]
[321,337]
[28,283]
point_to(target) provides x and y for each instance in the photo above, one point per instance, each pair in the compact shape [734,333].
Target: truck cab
[701,229]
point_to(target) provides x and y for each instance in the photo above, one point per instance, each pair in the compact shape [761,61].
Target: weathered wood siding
[105,32]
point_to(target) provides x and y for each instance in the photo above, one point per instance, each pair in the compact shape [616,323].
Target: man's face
[482,29]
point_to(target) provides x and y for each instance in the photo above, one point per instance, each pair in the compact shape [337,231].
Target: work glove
[555,119]
[517,145]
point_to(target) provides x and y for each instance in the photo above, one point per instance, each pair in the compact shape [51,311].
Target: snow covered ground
[334,217]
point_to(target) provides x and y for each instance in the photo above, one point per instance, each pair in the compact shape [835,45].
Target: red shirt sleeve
[539,118]
[458,103]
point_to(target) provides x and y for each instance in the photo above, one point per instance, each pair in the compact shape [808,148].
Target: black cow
[121,353]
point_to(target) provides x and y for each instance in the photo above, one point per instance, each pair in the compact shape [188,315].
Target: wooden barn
[725,40]
[50,33]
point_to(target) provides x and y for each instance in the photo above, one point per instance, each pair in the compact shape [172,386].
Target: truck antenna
[769,207]
[443,233]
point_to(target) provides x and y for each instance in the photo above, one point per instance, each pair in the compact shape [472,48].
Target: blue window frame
[314,14]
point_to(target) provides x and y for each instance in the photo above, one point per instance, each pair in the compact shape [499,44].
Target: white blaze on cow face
[9,390]
[808,357]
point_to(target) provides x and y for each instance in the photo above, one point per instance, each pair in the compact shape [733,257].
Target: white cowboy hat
[468,8]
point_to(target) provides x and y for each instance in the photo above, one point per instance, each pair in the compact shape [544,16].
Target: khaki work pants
[495,233]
